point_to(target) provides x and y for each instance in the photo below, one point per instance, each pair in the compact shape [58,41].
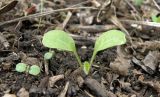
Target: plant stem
[92,58]
[78,59]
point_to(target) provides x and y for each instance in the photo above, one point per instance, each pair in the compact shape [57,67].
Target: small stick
[155,3]
[92,28]
[46,66]
[79,37]
[96,3]
[133,8]
[69,14]
[152,24]
[63,93]
[44,14]
[90,95]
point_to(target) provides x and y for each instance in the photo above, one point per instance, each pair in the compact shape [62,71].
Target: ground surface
[131,70]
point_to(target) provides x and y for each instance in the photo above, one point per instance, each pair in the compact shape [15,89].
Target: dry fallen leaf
[151,60]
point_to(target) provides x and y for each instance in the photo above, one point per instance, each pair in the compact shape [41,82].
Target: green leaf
[58,39]
[138,2]
[21,67]
[86,67]
[48,55]
[109,39]
[155,19]
[34,70]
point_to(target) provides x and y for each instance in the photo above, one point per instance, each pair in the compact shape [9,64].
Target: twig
[152,24]
[69,14]
[46,67]
[63,93]
[90,95]
[44,14]
[96,3]
[133,8]
[92,28]
[155,3]
[79,37]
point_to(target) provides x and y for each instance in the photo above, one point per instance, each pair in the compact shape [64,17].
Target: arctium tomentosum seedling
[61,40]
[33,70]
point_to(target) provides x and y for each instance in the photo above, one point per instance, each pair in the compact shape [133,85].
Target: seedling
[61,40]
[21,67]
[33,70]
[156,18]
[48,55]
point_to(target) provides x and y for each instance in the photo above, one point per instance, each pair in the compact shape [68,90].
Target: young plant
[33,70]
[156,18]
[48,55]
[61,40]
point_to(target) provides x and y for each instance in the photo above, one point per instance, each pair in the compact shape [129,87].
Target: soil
[130,70]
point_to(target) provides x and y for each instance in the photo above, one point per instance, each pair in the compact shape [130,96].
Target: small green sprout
[48,55]
[21,67]
[86,67]
[138,2]
[61,40]
[156,18]
[33,70]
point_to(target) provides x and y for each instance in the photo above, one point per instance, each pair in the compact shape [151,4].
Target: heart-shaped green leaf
[34,70]
[21,67]
[58,39]
[86,67]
